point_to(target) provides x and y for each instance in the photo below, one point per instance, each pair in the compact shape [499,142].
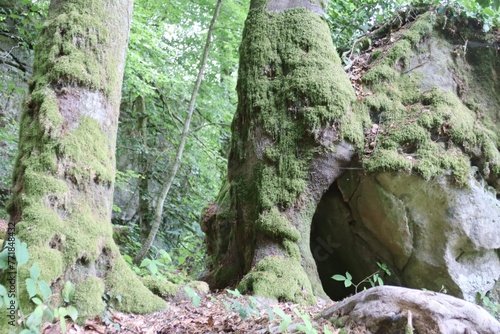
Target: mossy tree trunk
[293,132]
[65,169]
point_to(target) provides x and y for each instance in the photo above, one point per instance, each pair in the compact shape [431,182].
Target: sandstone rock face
[391,310]
[431,234]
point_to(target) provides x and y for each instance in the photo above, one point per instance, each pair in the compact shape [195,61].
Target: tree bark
[65,169]
[290,139]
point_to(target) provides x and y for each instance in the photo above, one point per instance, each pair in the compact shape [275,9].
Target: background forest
[165,48]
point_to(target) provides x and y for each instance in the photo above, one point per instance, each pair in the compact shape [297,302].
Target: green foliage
[193,295]
[244,308]
[164,53]
[39,293]
[112,301]
[307,327]
[493,307]
[286,320]
[486,11]
[27,17]
[178,266]
[350,20]
[373,279]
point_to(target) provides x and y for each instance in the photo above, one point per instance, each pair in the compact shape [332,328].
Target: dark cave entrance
[336,248]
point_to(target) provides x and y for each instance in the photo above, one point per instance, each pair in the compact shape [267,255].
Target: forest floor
[216,313]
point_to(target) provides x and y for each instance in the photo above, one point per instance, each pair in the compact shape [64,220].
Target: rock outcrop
[432,235]
[396,310]
[424,198]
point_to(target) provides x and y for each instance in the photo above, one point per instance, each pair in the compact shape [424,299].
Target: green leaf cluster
[39,293]
[166,43]
[350,20]
[374,279]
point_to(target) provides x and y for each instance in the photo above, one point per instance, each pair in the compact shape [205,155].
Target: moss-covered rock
[422,106]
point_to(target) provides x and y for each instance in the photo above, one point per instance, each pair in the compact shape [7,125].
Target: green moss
[376,54]
[87,146]
[88,298]
[420,29]
[353,123]
[431,133]
[50,261]
[387,160]
[50,118]
[276,225]
[291,249]
[292,85]
[136,300]
[279,278]
[5,326]
[158,287]
[400,52]
[69,49]
[227,275]
[380,73]
[199,287]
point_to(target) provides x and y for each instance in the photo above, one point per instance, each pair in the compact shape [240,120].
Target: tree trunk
[65,169]
[144,171]
[293,116]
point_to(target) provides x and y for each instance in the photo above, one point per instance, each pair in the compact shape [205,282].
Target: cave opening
[335,246]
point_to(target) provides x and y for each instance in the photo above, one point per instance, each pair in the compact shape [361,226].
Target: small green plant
[307,327]
[286,319]
[161,267]
[39,292]
[251,308]
[60,313]
[374,279]
[489,305]
[111,300]
[193,295]
[240,306]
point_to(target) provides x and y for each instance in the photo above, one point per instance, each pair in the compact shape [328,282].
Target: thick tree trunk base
[288,146]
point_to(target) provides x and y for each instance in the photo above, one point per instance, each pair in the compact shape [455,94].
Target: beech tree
[64,173]
[293,120]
